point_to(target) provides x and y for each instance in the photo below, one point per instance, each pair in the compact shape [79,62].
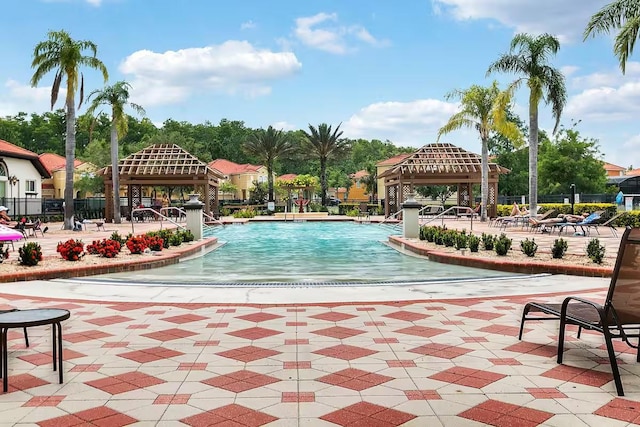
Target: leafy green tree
[228,188]
[89,182]
[259,193]
[337,178]
[529,58]
[371,182]
[436,192]
[483,109]
[622,16]
[115,97]
[97,152]
[268,146]
[568,159]
[326,145]
[65,56]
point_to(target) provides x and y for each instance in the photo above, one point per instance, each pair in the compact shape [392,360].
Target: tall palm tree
[622,15]
[326,145]
[116,97]
[529,57]
[483,109]
[268,146]
[65,56]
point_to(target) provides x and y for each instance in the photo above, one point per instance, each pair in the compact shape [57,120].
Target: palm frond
[81,90]
[611,17]
[507,63]
[625,41]
[55,88]
[556,90]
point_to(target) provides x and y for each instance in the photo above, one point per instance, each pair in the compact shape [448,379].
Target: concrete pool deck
[372,356]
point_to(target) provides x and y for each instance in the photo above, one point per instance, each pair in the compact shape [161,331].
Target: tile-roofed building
[242,176]
[613,170]
[53,188]
[386,165]
[21,174]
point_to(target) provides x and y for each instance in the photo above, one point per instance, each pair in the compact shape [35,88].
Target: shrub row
[560,208]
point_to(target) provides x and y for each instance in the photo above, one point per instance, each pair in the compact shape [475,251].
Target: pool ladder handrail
[157,214]
[390,217]
[441,215]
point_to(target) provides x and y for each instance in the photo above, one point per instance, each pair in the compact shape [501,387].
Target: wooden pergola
[162,165]
[439,164]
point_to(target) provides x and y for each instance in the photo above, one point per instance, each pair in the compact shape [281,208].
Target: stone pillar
[193,210]
[411,217]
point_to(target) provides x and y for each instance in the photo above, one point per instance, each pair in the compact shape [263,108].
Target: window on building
[30,186]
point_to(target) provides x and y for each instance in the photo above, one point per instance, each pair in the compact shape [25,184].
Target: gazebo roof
[441,158]
[167,160]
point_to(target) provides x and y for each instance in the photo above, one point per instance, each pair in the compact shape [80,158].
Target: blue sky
[380,68]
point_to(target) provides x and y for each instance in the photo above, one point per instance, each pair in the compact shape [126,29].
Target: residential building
[614,170]
[386,165]
[358,190]
[21,174]
[242,176]
[53,188]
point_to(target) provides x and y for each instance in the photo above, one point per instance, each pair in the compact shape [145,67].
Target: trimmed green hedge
[630,218]
[344,208]
[579,208]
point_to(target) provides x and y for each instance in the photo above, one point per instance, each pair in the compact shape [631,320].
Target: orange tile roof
[53,161]
[228,167]
[9,149]
[394,160]
[633,172]
[360,174]
[287,176]
[611,167]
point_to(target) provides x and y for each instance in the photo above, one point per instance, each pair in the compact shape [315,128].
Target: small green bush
[175,239]
[503,244]
[595,251]
[353,212]
[449,238]
[225,212]
[245,213]
[462,240]
[118,238]
[529,247]
[166,236]
[488,241]
[438,236]
[559,248]
[187,236]
[474,243]
[30,254]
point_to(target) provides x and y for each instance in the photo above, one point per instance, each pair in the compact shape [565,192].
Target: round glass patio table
[26,319]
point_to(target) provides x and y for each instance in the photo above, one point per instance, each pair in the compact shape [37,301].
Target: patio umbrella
[7,233]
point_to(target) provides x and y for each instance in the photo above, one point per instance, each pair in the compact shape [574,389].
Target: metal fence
[558,198]
[89,208]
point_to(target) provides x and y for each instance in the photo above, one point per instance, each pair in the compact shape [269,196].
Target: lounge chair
[589,220]
[618,317]
[363,210]
[607,223]
[539,222]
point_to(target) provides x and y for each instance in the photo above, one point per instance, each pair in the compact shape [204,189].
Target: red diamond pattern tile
[422,331]
[481,315]
[128,306]
[467,377]
[296,365]
[408,316]
[172,399]
[144,326]
[192,367]
[206,343]
[511,331]
[500,414]
[248,354]
[44,401]
[85,336]
[259,317]
[366,414]
[354,379]
[298,397]
[255,333]
[226,310]
[542,350]
[184,318]
[435,308]
[386,340]
[229,416]
[86,368]
[376,323]
[40,359]
[150,354]
[338,332]
[345,352]
[621,409]
[546,393]
[579,375]
[155,312]
[365,309]
[24,382]
[333,316]
[296,310]
[100,416]
[441,350]
[240,381]
[293,324]
[217,325]
[125,382]
[506,361]
[299,341]
[401,363]
[109,320]
[169,334]
[422,395]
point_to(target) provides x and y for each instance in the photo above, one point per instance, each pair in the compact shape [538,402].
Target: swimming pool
[311,252]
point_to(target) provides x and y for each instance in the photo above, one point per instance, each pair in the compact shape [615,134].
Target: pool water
[268,252]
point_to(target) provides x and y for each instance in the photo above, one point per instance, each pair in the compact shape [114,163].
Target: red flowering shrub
[107,248]
[30,254]
[71,250]
[155,243]
[137,244]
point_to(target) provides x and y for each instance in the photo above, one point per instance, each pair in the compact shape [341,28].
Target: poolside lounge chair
[538,223]
[589,220]
[618,317]
[608,223]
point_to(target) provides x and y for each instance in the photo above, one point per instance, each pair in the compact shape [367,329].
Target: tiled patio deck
[451,362]
[440,362]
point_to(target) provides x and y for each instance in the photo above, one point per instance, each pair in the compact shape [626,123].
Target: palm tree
[65,55]
[116,97]
[528,57]
[622,15]
[326,145]
[483,109]
[268,146]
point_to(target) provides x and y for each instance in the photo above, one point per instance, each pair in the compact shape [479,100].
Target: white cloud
[231,67]
[24,98]
[566,18]
[249,25]
[332,37]
[284,125]
[412,123]
[569,70]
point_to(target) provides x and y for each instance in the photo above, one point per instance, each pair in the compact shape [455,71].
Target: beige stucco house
[242,176]
[53,188]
